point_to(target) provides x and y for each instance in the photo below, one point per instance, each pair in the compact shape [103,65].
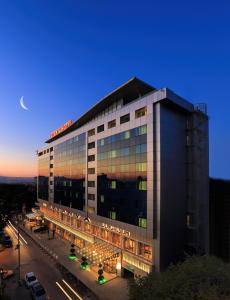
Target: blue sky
[63,56]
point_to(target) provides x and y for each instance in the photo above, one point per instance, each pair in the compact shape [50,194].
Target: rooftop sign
[61,129]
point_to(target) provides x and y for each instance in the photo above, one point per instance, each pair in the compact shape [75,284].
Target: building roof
[129,91]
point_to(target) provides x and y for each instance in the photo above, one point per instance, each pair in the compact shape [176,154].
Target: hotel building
[127,182]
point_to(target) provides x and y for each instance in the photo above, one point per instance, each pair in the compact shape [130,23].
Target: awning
[33,215]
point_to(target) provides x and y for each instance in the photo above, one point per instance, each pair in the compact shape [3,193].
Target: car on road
[7,241]
[40,229]
[38,292]
[30,279]
[7,274]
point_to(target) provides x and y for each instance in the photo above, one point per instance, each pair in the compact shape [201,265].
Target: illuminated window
[141,130]
[101,142]
[129,245]
[126,135]
[112,154]
[145,250]
[102,198]
[141,167]
[113,184]
[142,185]
[112,215]
[140,112]
[142,223]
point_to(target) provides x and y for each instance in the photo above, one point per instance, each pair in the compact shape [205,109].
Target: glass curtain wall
[69,172]
[122,176]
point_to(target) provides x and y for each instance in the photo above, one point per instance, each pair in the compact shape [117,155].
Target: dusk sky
[63,56]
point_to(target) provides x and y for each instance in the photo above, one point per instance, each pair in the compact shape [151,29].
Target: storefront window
[95,230]
[129,245]
[145,251]
[116,239]
[104,234]
[87,228]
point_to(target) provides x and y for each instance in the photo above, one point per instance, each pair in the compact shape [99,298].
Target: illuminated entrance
[102,253]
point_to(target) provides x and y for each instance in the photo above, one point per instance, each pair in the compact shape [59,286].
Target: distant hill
[27,180]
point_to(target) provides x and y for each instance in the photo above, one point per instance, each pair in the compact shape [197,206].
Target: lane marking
[72,290]
[19,233]
[15,235]
[64,292]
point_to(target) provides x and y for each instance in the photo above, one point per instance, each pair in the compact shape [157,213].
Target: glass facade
[122,176]
[69,172]
[43,177]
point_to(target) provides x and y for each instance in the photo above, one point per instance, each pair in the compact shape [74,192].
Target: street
[35,260]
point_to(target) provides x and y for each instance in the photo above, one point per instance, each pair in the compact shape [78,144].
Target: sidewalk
[114,289]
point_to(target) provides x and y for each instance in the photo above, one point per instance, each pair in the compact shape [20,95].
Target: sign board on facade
[61,129]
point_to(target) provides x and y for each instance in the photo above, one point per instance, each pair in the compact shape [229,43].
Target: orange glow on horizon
[16,168]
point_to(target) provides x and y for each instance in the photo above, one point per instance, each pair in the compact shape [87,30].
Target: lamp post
[1,283]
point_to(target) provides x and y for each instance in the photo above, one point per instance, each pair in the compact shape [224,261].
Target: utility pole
[19,258]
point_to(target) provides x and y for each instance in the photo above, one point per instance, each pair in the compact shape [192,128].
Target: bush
[197,278]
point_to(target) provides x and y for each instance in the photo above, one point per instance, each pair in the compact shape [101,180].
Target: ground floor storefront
[117,254]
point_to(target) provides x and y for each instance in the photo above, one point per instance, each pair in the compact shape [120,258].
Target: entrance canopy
[33,216]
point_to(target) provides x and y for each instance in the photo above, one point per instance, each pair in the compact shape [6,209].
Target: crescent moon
[22,103]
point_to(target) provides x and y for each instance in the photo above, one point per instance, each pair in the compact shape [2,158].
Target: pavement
[114,289]
[34,259]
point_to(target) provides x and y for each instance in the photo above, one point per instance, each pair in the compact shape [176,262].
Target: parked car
[30,279]
[38,292]
[7,273]
[7,241]
[40,229]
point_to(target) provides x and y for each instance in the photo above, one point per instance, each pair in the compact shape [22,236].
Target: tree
[196,278]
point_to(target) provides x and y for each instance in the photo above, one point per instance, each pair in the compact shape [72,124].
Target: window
[140,112]
[100,128]
[142,185]
[112,215]
[142,148]
[112,154]
[145,250]
[51,149]
[91,132]
[102,198]
[51,165]
[129,245]
[111,124]
[51,182]
[141,130]
[91,158]
[48,150]
[126,135]
[91,145]
[51,174]
[91,210]
[101,142]
[124,151]
[113,184]
[91,170]
[124,119]
[91,183]
[142,223]
[91,197]
[51,157]
[141,167]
